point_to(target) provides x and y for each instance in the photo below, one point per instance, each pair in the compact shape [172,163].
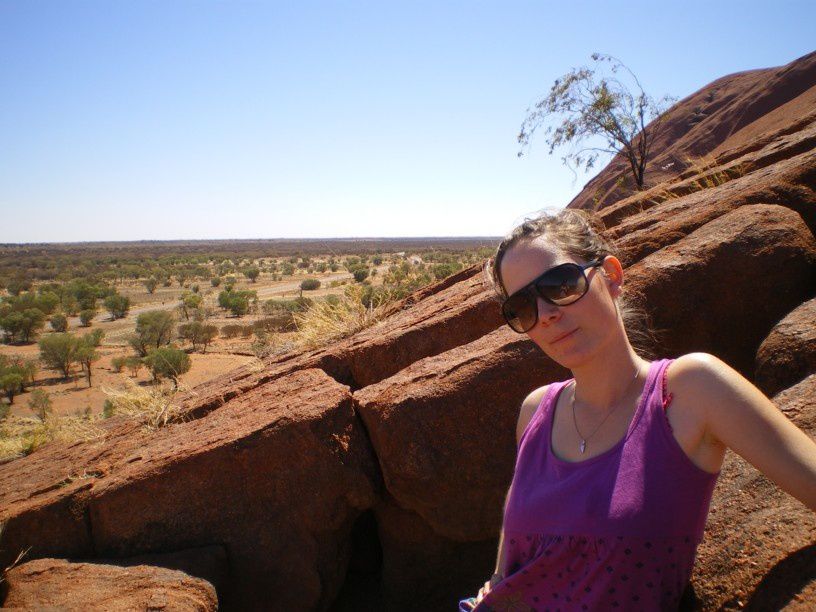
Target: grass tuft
[328,321]
[153,406]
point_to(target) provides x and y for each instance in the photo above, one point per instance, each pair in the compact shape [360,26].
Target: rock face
[58,584]
[371,474]
[788,354]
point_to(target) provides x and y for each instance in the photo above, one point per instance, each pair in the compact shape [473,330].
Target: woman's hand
[488,586]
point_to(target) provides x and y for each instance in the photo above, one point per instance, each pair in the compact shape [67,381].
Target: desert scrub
[20,436]
[331,320]
[152,406]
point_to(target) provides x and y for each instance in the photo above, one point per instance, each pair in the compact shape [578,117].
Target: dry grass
[327,321]
[152,406]
[20,436]
[706,174]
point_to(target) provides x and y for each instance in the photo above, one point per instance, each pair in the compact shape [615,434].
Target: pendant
[583,446]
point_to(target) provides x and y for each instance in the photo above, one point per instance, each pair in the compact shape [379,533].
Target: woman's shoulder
[528,408]
[698,373]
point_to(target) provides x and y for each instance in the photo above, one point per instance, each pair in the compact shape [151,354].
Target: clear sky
[172,119]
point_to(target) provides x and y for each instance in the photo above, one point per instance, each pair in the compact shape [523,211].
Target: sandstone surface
[56,584]
[788,354]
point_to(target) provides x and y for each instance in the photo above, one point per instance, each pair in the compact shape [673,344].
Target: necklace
[582,446]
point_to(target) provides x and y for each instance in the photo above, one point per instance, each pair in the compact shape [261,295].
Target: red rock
[444,430]
[713,291]
[60,584]
[771,557]
[277,475]
[788,354]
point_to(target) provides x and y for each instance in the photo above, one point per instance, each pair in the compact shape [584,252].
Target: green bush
[117,305]
[117,363]
[40,403]
[59,323]
[167,362]
[154,328]
[86,316]
[310,284]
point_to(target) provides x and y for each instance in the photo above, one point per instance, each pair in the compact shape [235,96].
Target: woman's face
[570,334]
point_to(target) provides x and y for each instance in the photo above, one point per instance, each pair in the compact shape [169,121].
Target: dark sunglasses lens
[521,311]
[563,285]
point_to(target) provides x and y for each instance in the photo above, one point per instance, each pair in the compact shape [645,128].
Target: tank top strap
[545,406]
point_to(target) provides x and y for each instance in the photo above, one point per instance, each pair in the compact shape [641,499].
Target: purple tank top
[616,531]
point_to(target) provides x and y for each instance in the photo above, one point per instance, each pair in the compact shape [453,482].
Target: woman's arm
[738,415]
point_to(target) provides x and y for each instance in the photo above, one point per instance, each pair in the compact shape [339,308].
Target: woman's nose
[547,313]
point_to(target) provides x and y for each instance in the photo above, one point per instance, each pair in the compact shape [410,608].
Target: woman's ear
[612,269]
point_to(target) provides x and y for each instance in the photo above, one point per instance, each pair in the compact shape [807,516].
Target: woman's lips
[567,335]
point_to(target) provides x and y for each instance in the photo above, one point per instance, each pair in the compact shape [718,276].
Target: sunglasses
[560,286]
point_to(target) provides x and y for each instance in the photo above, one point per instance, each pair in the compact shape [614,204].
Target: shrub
[360,274]
[198,333]
[11,385]
[117,305]
[231,330]
[215,281]
[310,284]
[154,328]
[117,363]
[86,316]
[252,274]
[247,331]
[167,362]
[150,284]
[40,403]
[134,364]
[59,352]
[59,323]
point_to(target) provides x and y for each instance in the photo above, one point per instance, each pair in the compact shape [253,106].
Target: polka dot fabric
[618,531]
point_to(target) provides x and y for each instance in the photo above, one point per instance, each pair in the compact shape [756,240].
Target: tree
[252,274]
[167,362]
[198,333]
[86,316]
[117,305]
[11,384]
[117,363]
[59,323]
[86,355]
[151,284]
[59,352]
[154,328]
[613,116]
[40,403]
[134,364]
[189,302]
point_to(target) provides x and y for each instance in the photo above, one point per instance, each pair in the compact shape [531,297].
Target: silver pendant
[583,446]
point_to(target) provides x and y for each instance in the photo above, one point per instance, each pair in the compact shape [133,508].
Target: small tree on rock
[611,116]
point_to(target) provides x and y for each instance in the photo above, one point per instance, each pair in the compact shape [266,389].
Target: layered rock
[714,291]
[788,354]
[277,476]
[62,585]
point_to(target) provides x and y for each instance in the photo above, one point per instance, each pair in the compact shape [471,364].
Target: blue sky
[176,119]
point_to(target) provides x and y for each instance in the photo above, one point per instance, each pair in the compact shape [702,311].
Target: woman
[616,466]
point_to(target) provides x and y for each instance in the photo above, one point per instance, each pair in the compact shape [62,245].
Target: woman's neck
[608,377]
